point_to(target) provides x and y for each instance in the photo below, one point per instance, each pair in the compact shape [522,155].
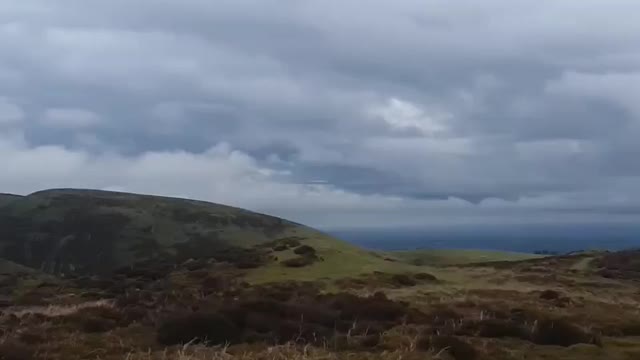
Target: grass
[58,310]
[337,260]
[491,302]
[280,352]
[125,228]
[458,257]
[8,198]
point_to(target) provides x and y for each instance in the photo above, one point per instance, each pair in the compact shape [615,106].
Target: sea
[524,238]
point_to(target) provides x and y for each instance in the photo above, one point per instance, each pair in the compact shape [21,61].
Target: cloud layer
[350,113]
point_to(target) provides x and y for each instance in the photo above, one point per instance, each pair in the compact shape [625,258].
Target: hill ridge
[65,229]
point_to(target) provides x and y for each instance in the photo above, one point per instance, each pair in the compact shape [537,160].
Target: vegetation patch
[16,350]
[298,261]
[208,328]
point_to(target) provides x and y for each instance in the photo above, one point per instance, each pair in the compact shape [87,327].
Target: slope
[89,231]
[8,198]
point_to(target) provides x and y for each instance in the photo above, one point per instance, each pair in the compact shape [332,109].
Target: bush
[290,241]
[403,280]
[423,343]
[32,337]
[425,276]
[559,332]
[305,250]
[281,247]
[368,341]
[458,349]
[248,264]
[134,314]
[443,315]
[213,283]
[94,319]
[630,329]
[550,295]
[15,350]
[199,327]
[297,262]
[373,308]
[198,274]
[494,328]
[97,325]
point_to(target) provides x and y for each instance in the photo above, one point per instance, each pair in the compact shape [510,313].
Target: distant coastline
[531,238]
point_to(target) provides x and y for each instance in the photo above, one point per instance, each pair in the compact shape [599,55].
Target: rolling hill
[89,231]
[148,277]
[8,198]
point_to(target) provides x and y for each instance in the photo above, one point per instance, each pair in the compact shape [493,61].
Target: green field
[457,257]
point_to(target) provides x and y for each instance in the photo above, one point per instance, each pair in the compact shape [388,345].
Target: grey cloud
[10,113]
[70,118]
[405,103]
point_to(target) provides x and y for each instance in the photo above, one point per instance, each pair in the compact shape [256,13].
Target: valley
[103,275]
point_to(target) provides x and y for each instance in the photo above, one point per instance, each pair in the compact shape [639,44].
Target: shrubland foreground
[97,275]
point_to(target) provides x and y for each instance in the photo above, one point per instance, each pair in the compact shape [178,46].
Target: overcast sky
[333,113]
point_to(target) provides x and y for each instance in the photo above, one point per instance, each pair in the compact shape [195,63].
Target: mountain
[90,231]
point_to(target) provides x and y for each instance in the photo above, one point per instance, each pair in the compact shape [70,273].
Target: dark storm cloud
[413,107]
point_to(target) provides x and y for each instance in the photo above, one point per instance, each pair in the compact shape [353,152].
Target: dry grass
[281,352]
[57,310]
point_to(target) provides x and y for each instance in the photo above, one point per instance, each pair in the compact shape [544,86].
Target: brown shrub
[103,312]
[630,329]
[32,336]
[305,250]
[258,322]
[213,283]
[457,348]
[97,325]
[368,341]
[550,295]
[133,314]
[281,247]
[373,308]
[248,264]
[198,327]
[292,241]
[300,261]
[443,315]
[559,332]
[305,332]
[94,319]
[198,274]
[495,328]
[134,298]
[423,343]
[194,265]
[425,277]
[403,280]
[15,350]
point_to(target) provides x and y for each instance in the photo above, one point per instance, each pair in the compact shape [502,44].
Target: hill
[438,257]
[8,198]
[147,277]
[89,231]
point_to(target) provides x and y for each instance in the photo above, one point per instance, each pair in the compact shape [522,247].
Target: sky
[346,113]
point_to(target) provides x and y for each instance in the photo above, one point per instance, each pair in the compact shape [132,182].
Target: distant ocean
[519,238]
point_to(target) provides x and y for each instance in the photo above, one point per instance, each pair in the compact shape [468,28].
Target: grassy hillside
[438,257]
[215,282]
[97,231]
[8,198]
[89,231]
[336,259]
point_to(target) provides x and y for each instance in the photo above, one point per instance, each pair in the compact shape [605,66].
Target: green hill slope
[435,257]
[91,231]
[5,199]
